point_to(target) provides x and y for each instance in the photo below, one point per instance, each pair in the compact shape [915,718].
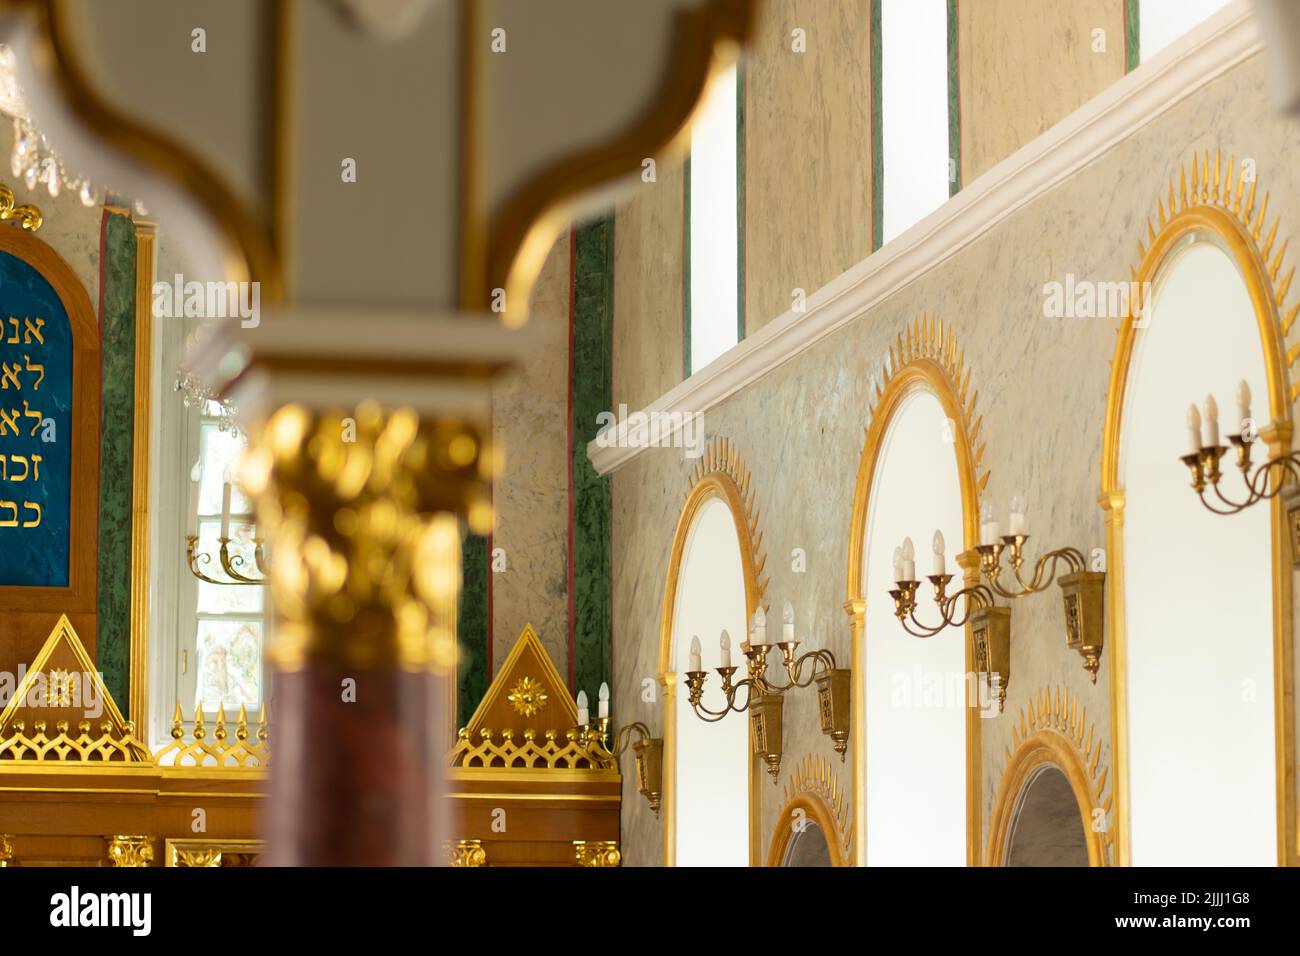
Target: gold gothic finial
[220,753]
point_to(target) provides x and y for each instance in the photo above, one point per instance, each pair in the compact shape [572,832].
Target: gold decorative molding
[27,216]
[6,850]
[503,752]
[720,473]
[146,244]
[814,776]
[465,853]
[200,753]
[109,746]
[213,853]
[1053,728]
[130,851]
[597,853]
[925,357]
[1215,203]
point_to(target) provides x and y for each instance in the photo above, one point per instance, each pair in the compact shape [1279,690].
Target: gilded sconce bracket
[649,751]
[1082,591]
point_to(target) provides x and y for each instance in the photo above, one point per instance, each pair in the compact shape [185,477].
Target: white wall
[916,733]
[1198,587]
[914,110]
[712,759]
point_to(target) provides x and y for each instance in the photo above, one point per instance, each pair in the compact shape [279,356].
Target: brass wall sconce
[649,750]
[1280,475]
[764,699]
[1082,590]
[990,624]
[234,565]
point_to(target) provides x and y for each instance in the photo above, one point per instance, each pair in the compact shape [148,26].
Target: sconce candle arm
[1045,568]
[976,596]
[794,668]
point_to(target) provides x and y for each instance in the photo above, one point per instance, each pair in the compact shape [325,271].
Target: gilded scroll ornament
[130,851]
[469,853]
[597,853]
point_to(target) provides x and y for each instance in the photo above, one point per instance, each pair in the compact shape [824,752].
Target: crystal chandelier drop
[195,393]
[33,160]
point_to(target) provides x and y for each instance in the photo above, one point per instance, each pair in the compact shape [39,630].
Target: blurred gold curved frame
[924,357]
[258,256]
[720,475]
[517,236]
[1052,731]
[1214,208]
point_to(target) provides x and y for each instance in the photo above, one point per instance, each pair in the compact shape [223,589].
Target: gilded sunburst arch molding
[1219,202]
[925,356]
[722,475]
[1053,730]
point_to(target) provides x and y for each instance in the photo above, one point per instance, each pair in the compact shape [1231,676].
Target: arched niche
[710,779]
[1199,605]
[1050,807]
[815,826]
[39,284]
[923,430]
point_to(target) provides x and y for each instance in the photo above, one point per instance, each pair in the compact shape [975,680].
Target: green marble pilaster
[472,627]
[116,448]
[1132,47]
[593,312]
[954,103]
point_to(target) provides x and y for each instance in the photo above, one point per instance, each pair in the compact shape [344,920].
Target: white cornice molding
[1216,46]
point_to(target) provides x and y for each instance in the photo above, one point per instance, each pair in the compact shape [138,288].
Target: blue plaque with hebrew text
[35,429]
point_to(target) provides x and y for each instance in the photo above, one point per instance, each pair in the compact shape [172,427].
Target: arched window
[913,142]
[713,301]
[916,690]
[712,759]
[1198,625]
[1161,22]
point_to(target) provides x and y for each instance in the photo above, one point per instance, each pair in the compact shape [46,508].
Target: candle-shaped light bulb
[193,513]
[787,622]
[225,508]
[1016,523]
[725,643]
[759,631]
[602,701]
[583,713]
[938,547]
[1210,426]
[909,563]
[1243,403]
[988,524]
[898,564]
[1193,428]
[695,654]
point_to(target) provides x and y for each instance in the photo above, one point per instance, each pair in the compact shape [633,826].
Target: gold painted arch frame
[816,791]
[1053,730]
[924,357]
[720,475]
[1215,203]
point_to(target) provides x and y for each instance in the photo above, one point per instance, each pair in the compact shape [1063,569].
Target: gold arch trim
[1213,201]
[925,356]
[1053,729]
[721,474]
[815,789]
